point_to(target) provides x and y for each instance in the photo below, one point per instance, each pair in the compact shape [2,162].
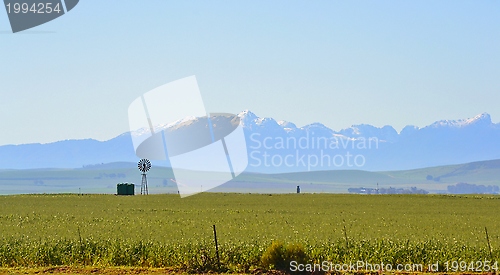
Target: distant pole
[216,247]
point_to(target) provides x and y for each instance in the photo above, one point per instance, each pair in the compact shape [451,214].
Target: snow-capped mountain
[483,119]
[377,148]
[280,146]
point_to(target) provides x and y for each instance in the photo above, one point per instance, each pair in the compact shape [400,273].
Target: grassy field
[165,231]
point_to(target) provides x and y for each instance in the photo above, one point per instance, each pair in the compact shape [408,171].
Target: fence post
[216,248]
[488,240]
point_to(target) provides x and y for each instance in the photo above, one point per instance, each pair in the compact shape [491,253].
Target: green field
[167,231]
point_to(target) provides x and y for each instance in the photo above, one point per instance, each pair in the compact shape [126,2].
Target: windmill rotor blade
[144,165]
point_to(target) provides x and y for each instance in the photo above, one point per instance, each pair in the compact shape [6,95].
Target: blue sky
[336,62]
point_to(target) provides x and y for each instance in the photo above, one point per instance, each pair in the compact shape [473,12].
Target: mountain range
[280,146]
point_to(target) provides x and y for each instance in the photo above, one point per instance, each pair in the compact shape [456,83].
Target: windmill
[144,166]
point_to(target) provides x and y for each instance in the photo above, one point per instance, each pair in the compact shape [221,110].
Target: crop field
[254,231]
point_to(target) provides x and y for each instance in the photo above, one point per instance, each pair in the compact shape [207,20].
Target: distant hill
[103,178]
[67,153]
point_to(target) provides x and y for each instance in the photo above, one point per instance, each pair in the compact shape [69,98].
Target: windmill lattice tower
[144,166]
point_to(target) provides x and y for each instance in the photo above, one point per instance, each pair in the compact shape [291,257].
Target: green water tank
[130,189]
[125,189]
[121,189]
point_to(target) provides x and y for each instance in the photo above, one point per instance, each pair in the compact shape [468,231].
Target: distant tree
[465,188]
